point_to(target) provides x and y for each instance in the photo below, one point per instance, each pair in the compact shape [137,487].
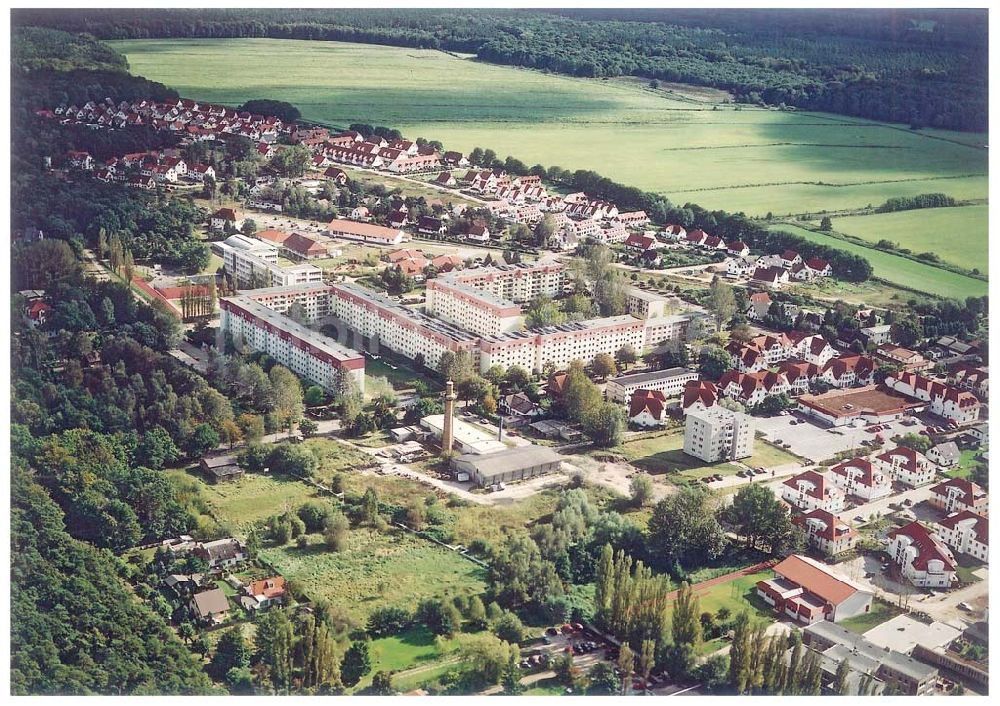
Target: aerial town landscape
[324,384]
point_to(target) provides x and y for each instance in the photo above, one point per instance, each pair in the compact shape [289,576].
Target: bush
[388,621]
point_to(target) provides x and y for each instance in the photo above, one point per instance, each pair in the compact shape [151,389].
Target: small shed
[221,469]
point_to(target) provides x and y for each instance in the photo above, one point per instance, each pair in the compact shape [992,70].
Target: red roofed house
[338,175]
[910,361]
[414,267]
[447,263]
[808,591]
[760,303]
[790,259]
[272,236]
[753,388]
[967,533]
[640,243]
[226,218]
[737,248]
[968,377]
[699,395]
[648,408]
[922,557]
[267,592]
[858,477]
[674,233]
[770,276]
[479,233]
[696,237]
[819,267]
[446,179]
[827,532]
[38,311]
[810,491]
[300,247]
[849,371]
[907,466]
[960,406]
[958,494]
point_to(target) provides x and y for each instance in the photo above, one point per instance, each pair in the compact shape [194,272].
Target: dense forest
[923,68]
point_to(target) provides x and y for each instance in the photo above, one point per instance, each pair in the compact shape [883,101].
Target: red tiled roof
[273,236]
[702,390]
[816,579]
[303,245]
[651,400]
[927,545]
[981,526]
[817,480]
[829,521]
[970,491]
[273,587]
[867,475]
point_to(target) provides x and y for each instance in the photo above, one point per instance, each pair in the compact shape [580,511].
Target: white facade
[810,491]
[254,263]
[718,434]
[859,478]
[304,352]
[661,329]
[967,533]
[670,382]
[474,310]
[922,558]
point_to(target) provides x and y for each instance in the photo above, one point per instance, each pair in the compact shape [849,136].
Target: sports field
[716,155]
[958,235]
[901,270]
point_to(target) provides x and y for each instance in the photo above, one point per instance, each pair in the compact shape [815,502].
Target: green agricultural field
[901,270]
[716,155]
[958,235]
[376,570]
[664,453]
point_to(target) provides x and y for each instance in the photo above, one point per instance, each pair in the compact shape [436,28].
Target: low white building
[467,438]
[670,382]
[907,466]
[718,434]
[860,478]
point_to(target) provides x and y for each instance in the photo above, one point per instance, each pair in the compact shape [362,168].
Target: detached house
[966,533]
[265,593]
[826,532]
[226,219]
[922,558]
[959,406]
[699,395]
[431,226]
[773,277]
[957,494]
[859,478]
[210,606]
[222,553]
[647,408]
[810,491]
[446,179]
[737,248]
[906,466]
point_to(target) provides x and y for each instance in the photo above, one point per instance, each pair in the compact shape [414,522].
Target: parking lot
[810,440]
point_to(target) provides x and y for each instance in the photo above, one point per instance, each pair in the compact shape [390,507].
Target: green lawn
[664,453]
[881,612]
[415,649]
[737,595]
[546,687]
[901,270]
[958,235]
[376,570]
[401,377]
[716,155]
[966,462]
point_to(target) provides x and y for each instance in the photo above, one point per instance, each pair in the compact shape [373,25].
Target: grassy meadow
[716,155]
[664,453]
[900,270]
[958,235]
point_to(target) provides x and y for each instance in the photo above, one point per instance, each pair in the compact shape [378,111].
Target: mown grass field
[665,453]
[900,270]
[958,235]
[716,155]
[881,612]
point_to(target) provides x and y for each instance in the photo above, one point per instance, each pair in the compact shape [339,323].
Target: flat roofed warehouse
[519,463]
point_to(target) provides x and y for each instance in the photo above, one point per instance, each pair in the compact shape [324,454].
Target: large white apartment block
[670,382]
[304,352]
[384,322]
[313,298]
[966,533]
[646,305]
[718,434]
[473,309]
[519,283]
[560,345]
[662,329]
[253,263]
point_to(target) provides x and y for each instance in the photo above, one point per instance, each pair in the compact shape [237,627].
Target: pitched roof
[816,578]
[273,587]
[652,401]
[817,480]
[928,546]
[303,245]
[226,214]
[699,390]
[970,492]
[867,475]
[272,236]
[208,603]
[980,525]
[828,523]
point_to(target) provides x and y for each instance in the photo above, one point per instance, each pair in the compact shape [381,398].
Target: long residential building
[473,309]
[253,264]
[365,232]
[301,350]
[670,382]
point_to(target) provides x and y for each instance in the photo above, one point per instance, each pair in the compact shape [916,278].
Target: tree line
[922,78]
